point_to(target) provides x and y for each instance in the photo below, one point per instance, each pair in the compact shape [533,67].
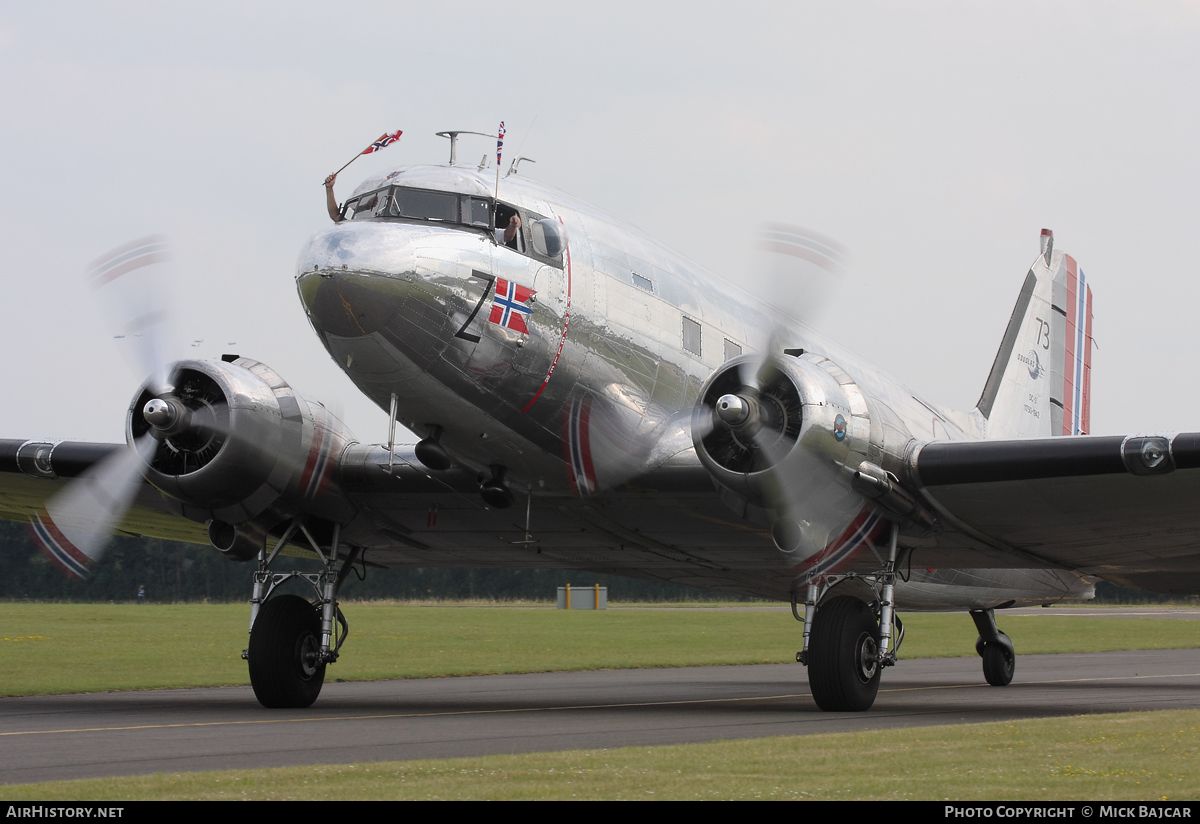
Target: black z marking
[463,333]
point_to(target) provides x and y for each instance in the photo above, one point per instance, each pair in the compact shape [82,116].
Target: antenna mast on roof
[453,137]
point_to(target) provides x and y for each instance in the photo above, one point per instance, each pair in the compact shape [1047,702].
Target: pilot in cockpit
[330,201]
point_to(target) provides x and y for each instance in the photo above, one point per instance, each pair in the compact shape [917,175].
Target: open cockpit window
[506,235]
[541,238]
[364,206]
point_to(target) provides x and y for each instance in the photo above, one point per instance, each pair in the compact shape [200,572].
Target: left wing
[1121,508]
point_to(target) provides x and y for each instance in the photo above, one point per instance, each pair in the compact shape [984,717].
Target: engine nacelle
[239,449]
[785,453]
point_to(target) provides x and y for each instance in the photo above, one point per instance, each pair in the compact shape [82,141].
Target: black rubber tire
[998,665]
[287,629]
[845,636]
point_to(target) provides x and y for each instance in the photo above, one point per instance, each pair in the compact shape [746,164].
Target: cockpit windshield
[421,204]
[527,233]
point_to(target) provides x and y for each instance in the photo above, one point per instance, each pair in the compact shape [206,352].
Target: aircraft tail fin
[1040,383]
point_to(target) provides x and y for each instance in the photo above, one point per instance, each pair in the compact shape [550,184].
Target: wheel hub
[867,652]
[309,653]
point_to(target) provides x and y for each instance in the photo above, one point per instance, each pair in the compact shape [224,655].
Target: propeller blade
[131,282]
[76,525]
[799,269]
[758,372]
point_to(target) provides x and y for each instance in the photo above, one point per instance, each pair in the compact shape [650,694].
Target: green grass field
[57,648]
[1133,756]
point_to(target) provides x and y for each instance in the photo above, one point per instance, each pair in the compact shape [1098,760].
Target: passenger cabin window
[732,350]
[691,336]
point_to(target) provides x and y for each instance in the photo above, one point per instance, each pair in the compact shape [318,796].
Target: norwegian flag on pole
[508,305]
[499,143]
[383,142]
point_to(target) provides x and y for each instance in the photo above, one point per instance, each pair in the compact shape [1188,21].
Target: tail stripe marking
[1077,366]
[1085,417]
[1070,404]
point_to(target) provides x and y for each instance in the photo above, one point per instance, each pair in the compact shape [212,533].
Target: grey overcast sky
[934,139]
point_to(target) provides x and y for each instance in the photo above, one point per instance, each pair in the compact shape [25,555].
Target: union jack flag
[508,305]
[499,143]
[383,142]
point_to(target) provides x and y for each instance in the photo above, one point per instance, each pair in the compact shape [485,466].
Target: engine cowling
[239,449]
[784,443]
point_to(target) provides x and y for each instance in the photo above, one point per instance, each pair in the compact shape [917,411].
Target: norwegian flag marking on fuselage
[508,305]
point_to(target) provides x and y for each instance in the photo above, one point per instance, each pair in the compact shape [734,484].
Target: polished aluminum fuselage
[599,389]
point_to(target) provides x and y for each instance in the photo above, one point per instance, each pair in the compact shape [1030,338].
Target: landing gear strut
[995,648]
[291,640]
[848,642]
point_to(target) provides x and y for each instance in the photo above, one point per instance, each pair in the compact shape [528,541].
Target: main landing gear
[995,648]
[292,640]
[848,641]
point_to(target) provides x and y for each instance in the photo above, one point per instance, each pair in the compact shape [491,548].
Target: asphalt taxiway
[47,738]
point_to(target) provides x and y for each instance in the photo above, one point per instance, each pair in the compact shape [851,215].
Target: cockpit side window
[476,211]
[364,206]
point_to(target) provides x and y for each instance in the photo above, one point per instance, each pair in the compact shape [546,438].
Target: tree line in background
[173,571]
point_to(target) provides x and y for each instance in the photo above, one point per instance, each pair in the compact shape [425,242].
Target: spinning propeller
[76,524]
[750,414]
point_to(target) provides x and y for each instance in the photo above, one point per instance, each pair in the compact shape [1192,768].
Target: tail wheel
[842,670]
[284,646]
[998,664]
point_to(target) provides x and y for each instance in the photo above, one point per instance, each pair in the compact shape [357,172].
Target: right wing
[32,472]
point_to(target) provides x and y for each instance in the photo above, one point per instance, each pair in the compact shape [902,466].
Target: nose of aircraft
[372,288]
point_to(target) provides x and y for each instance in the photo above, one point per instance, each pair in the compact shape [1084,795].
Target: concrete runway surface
[47,738]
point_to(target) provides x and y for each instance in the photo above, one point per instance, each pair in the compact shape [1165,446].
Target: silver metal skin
[258,450]
[403,306]
[658,420]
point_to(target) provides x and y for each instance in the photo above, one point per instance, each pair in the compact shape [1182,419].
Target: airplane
[588,399]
